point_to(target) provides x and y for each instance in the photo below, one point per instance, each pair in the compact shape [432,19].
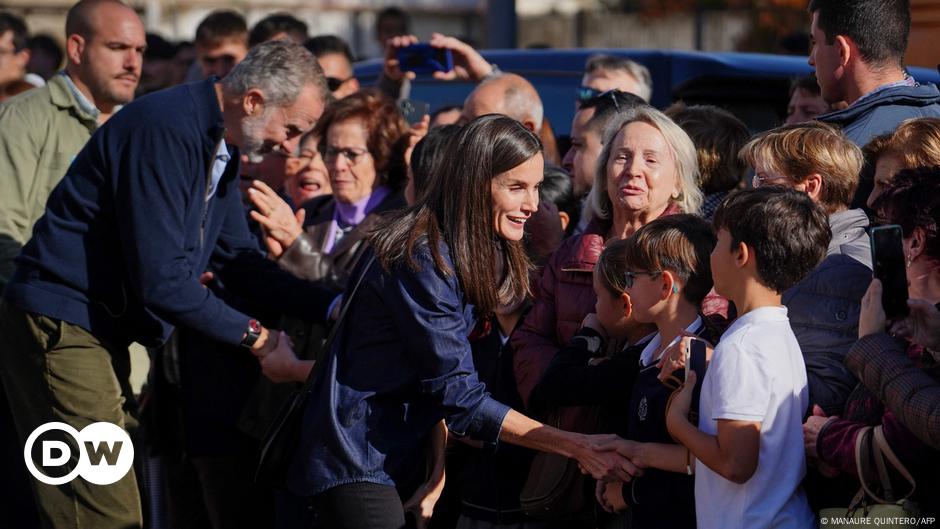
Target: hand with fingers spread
[921,326]
[280,223]
[469,65]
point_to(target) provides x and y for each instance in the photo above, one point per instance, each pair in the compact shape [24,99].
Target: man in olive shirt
[43,129]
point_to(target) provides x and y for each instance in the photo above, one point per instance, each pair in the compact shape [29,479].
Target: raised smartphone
[423,58]
[887,257]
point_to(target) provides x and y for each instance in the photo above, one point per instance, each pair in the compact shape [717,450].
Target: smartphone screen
[887,252]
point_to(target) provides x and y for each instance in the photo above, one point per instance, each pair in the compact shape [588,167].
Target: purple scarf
[352,214]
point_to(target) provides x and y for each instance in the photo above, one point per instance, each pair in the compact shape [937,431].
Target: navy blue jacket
[128,231]
[884,111]
[399,364]
[879,114]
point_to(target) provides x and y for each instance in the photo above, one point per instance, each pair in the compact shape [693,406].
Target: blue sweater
[128,231]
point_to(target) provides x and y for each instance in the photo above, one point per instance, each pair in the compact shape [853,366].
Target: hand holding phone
[423,58]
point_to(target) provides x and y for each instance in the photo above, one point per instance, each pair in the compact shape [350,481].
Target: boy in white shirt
[749,443]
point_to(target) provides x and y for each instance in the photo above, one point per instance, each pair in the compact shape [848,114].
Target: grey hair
[519,103]
[280,69]
[636,70]
[680,146]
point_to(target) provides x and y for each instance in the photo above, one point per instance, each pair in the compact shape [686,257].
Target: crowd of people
[671,323]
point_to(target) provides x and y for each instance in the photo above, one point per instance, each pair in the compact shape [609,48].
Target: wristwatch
[252,334]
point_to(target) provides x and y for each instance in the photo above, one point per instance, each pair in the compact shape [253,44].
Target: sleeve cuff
[487,422]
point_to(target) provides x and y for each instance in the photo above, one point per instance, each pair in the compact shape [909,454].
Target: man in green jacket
[43,129]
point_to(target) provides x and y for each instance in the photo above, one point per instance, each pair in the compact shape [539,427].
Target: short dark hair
[11,22]
[558,189]
[912,200]
[458,211]
[386,129]
[718,135]
[805,82]
[394,12]
[681,244]
[158,48]
[326,44]
[271,25]
[220,26]
[608,105]
[787,232]
[46,44]
[878,27]
[428,156]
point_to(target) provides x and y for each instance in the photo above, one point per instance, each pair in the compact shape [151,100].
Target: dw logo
[106,453]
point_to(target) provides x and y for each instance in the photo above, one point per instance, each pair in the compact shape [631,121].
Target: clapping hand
[280,223]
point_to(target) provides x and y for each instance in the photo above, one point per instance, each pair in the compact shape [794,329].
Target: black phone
[887,257]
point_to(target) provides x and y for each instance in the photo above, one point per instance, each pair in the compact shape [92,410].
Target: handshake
[612,461]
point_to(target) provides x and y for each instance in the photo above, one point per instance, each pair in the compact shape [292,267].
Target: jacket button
[841,315]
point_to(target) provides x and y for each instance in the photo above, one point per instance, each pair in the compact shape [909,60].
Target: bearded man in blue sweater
[145,207]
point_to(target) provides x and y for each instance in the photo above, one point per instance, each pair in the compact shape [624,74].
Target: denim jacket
[400,363]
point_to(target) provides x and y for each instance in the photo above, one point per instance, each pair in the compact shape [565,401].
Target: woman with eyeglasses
[363,137]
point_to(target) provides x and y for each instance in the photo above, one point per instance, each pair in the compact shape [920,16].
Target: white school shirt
[757,374]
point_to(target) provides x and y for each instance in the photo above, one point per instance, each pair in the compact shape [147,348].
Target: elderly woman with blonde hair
[647,169]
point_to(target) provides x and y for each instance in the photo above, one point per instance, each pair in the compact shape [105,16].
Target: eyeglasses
[333,83]
[352,155]
[763,180]
[630,277]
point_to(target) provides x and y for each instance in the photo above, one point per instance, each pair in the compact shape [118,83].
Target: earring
[909,260]
[675,289]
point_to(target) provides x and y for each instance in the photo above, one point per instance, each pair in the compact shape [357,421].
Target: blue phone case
[423,58]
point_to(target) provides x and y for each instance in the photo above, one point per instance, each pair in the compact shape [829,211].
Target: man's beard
[252,134]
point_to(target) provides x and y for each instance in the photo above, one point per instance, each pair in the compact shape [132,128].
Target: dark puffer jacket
[824,307]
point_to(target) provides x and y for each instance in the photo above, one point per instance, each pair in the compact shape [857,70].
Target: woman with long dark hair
[401,361]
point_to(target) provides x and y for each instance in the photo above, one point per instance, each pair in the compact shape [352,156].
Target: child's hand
[673,358]
[613,496]
[681,402]
[591,321]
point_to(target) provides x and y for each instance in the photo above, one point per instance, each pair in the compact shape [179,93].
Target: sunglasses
[333,83]
[630,277]
[586,93]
